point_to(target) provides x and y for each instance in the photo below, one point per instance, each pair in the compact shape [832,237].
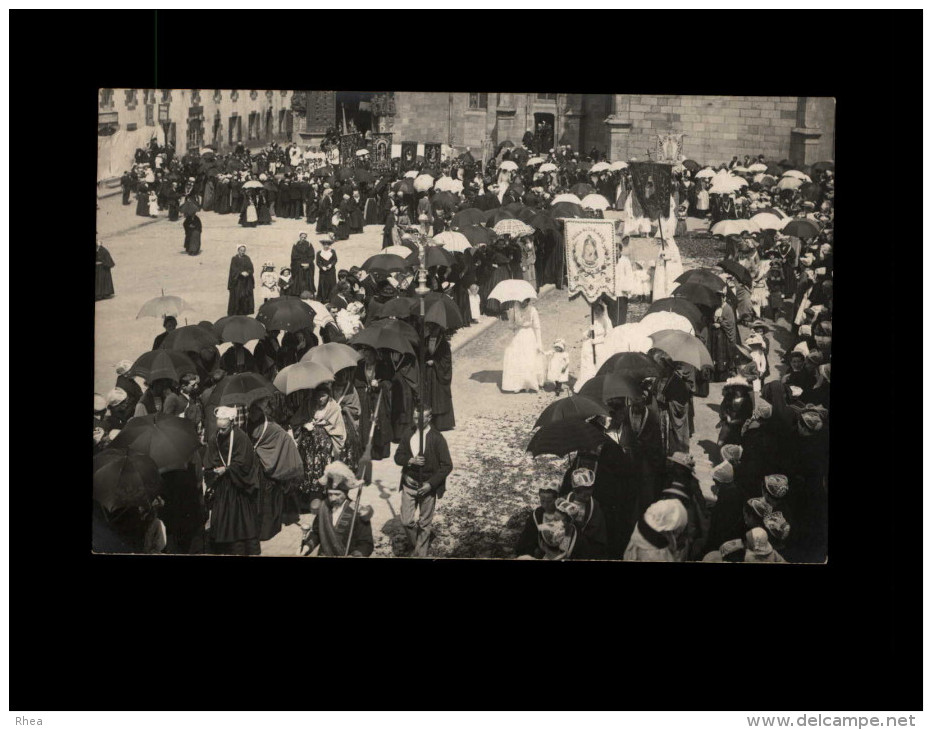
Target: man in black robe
[192,235]
[241,284]
[103,281]
[302,265]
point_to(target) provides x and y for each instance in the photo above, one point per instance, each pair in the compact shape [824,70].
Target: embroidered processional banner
[408,156]
[590,257]
[669,147]
[380,151]
[653,185]
[432,155]
[349,143]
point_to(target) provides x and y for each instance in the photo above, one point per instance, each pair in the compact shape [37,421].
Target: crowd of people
[260,465]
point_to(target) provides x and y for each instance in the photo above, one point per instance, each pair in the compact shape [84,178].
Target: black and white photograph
[488,325]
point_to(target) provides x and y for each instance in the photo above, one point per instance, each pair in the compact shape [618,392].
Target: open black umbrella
[400,307]
[581,190]
[168,440]
[566,210]
[692,166]
[362,175]
[499,214]
[561,437]
[286,313]
[775,170]
[468,217]
[386,337]
[703,277]
[543,221]
[123,479]
[514,208]
[345,173]
[811,191]
[679,306]
[698,294]
[634,365]
[384,262]
[526,214]
[405,187]
[575,406]
[736,270]
[611,385]
[239,329]
[439,309]
[444,199]
[240,389]
[801,228]
[478,234]
[190,338]
[435,256]
[823,165]
[162,365]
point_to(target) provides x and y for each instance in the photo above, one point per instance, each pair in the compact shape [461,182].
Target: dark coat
[437,461]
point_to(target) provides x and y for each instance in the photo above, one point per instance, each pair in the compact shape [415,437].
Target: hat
[263,177]
[228,412]
[801,349]
[732,453]
[811,420]
[100,403]
[124,366]
[115,397]
[559,345]
[759,506]
[739,381]
[760,324]
[583,478]
[757,542]
[755,339]
[795,391]
[666,515]
[733,551]
[683,459]
[285,269]
[724,473]
[762,411]
[568,507]
[776,525]
[338,475]
[815,357]
[777,485]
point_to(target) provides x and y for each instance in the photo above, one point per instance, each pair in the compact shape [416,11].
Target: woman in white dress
[593,344]
[521,369]
[669,266]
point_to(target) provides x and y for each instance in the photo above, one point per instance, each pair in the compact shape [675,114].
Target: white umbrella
[740,169]
[402,251]
[757,167]
[513,227]
[547,167]
[629,337]
[513,290]
[362,153]
[444,183]
[706,172]
[769,221]
[594,201]
[535,161]
[734,227]
[600,167]
[798,175]
[618,165]
[727,185]
[789,183]
[565,198]
[453,241]
[423,183]
[656,321]
[252,184]
[456,186]
[412,173]
[508,165]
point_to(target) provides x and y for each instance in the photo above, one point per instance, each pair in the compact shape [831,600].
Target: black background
[189,632]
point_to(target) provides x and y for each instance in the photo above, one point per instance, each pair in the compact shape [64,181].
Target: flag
[653,185]
[590,257]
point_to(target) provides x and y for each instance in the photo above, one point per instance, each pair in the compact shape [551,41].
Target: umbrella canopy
[798,175]
[478,234]
[513,290]
[769,221]
[452,241]
[547,167]
[811,192]
[362,153]
[734,227]
[405,187]
[619,165]
[386,337]
[633,365]
[442,312]
[562,437]
[387,261]
[679,306]
[581,190]
[682,347]
[125,480]
[789,183]
[412,174]
[773,211]
[469,217]
[543,221]
[774,170]
[250,184]
[565,198]
[239,329]
[823,165]
[535,161]
[507,143]
[628,337]
[758,167]
[363,176]
[726,185]
[344,173]
[334,356]
[508,165]
[567,210]
[699,295]
[240,389]
[162,365]
[611,385]
[168,440]
[600,167]
[594,201]
[325,171]
[434,256]
[321,314]
[736,270]
[575,406]
[657,321]
[498,214]
[401,251]
[802,228]
[190,338]
[705,172]
[513,227]
[162,307]
[703,277]
[302,376]
[423,183]
[286,313]
[444,199]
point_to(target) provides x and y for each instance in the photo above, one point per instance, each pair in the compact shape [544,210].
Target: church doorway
[355,108]
[543,132]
